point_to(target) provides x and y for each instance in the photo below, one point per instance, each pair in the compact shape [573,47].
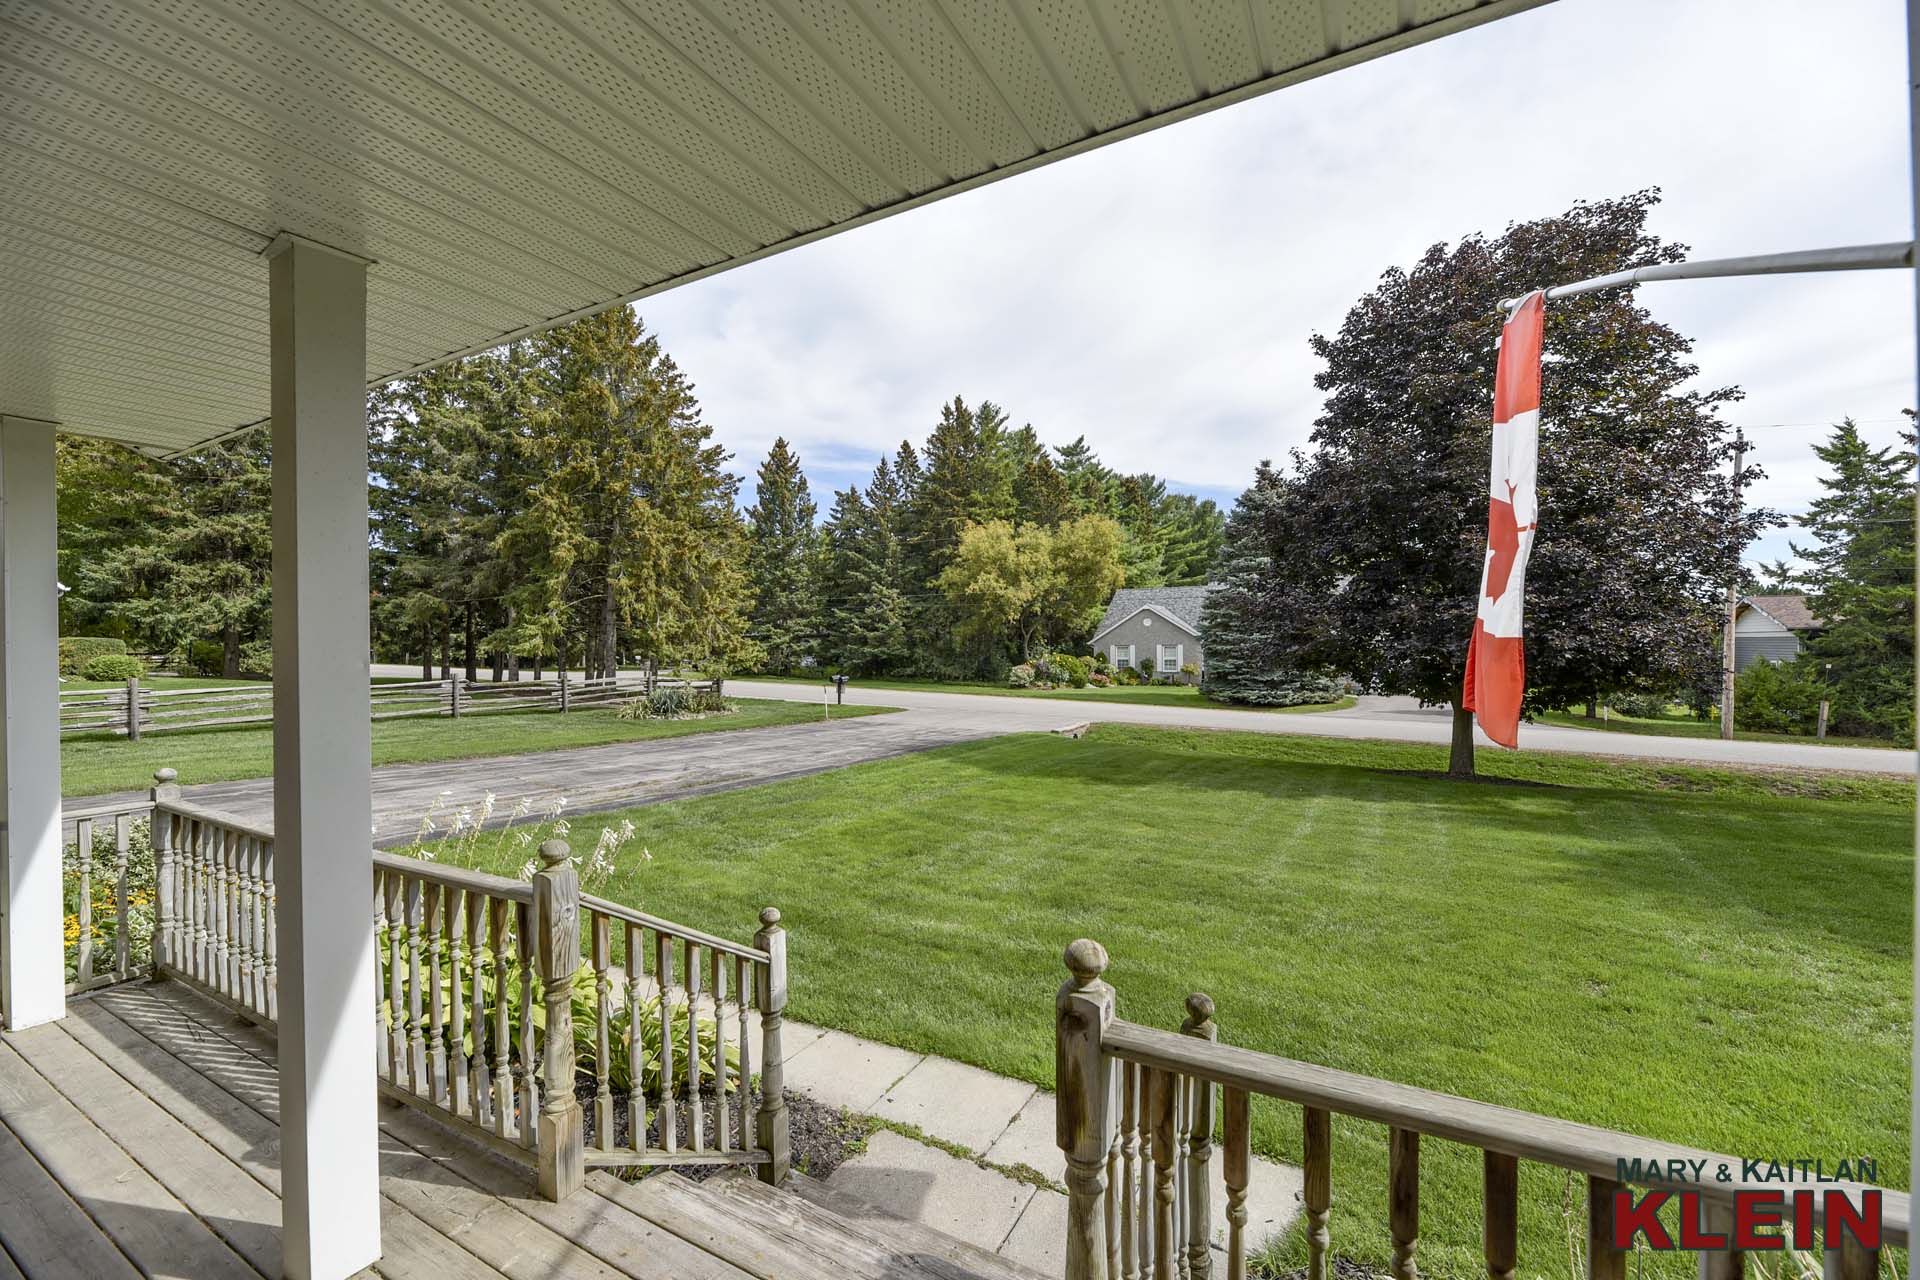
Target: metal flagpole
[1853,257]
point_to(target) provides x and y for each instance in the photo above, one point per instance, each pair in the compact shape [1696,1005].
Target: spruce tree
[1243,662]
[1859,578]
[782,550]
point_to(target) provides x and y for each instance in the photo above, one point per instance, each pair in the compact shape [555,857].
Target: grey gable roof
[1182,604]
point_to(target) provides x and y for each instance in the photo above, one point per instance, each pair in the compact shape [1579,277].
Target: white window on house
[1120,655]
[1170,657]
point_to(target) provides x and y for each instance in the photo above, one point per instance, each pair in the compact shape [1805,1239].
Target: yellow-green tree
[1032,586]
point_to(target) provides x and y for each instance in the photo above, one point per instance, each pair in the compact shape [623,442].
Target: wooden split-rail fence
[137,708]
[1140,1107]
[495,1010]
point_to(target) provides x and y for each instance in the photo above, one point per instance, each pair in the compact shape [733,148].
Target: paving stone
[912,1180]
[845,1071]
[955,1102]
[1030,1140]
[1039,1239]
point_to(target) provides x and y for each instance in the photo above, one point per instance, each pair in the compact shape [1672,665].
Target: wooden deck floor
[139,1136]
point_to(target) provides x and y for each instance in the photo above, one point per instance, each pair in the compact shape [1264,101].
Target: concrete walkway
[1007,1126]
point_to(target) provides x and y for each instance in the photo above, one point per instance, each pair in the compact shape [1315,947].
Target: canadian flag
[1496,658]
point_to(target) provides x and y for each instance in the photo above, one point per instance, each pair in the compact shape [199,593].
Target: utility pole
[1733,600]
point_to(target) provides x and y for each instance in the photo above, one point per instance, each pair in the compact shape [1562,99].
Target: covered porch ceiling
[507,165]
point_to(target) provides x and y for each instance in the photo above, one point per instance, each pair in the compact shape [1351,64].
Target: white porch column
[323,762]
[31,970]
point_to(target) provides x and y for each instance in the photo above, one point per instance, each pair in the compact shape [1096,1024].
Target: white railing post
[770,1122]
[556,926]
[1085,1082]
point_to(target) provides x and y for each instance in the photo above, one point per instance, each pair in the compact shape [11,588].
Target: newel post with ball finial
[1087,1085]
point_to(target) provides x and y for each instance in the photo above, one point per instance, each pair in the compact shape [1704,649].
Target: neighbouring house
[1154,629]
[1770,627]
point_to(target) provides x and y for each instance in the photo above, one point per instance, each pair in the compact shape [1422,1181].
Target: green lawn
[1681,724]
[167,682]
[93,764]
[1153,695]
[1713,957]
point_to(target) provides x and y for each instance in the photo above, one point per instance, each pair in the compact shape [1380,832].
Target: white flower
[527,869]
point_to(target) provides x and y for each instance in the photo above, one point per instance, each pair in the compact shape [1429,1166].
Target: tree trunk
[608,636]
[539,663]
[494,659]
[513,657]
[1593,707]
[473,658]
[426,653]
[230,652]
[1460,759]
[446,648]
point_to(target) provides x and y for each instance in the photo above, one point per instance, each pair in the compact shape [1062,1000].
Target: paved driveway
[1394,719]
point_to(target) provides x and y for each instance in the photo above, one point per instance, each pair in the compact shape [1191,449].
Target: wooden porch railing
[1137,1120]
[109,894]
[485,1012]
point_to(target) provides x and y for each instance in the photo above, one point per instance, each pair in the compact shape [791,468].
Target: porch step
[908,1233]
[778,1235]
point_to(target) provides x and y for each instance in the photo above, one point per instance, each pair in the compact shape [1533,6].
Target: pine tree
[1192,532]
[1243,664]
[781,552]
[1041,495]
[195,561]
[1859,577]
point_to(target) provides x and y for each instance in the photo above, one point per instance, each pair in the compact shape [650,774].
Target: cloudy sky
[1157,295]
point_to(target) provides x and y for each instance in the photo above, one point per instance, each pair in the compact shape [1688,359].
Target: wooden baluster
[1845,1258]
[555,913]
[160,833]
[203,842]
[1161,1089]
[382,1054]
[603,1047]
[1236,1161]
[458,1096]
[1199,1023]
[396,998]
[479,1083]
[696,1110]
[636,1052]
[1130,1259]
[269,955]
[663,974]
[1720,1264]
[439,1089]
[220,911]
[238,963]
[770,1129]
[1500,1214]
[505,1119]
[1182,1105]
[1403,1201]
[717,984]
[743,998]
[1112,1197]
[529,1049]
[416,1042]
[252,944]
[122,922]
[1604,1262]
[1317,1194]
[83,945]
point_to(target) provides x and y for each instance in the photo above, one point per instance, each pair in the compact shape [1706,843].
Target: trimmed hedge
[77,651]
[114,666]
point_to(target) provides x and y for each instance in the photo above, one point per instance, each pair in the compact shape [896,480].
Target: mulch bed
[820,1137]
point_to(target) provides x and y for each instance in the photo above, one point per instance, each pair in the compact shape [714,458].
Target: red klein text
[1761,1219]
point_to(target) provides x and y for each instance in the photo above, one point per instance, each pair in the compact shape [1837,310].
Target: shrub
[207,658]
[1125,675]
[114,666]
[77,651]
[1020,677]
[1774,698]
[1100,660]
[1189,668]
[1069,670]
[1643,706]
[256,659]
[1099,680]
[674,702]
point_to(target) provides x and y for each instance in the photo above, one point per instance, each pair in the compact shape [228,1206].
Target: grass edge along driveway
[1171,695]
[99,763]
[1715,957]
